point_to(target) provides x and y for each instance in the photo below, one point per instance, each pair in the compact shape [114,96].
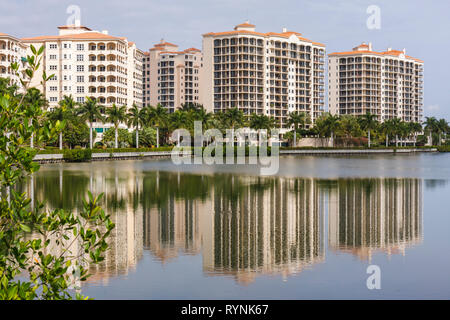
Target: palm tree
[431,125]
[116,115]
[396,124]
[90,111]
[178,119]
[260,122]
[405,131]
[387,127]
[158,117]
[333,124]
[296,119]
[34,98]
[369,123]
[66,108]
[136,118]
[233,118]
[442,127]
[415,128]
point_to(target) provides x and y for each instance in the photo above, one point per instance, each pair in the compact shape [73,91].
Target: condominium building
[265,73]
[146,79]
[174,75]
[87,63]
[11,50]
[388,84]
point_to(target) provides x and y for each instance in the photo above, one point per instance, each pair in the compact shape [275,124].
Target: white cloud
[433,107]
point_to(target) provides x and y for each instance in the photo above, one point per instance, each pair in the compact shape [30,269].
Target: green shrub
[443,148]
[77,155]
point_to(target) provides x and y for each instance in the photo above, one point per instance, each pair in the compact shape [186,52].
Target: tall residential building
[146,79]
[174,75]
[388,84]
[265,73]
[88,63]
[11,50]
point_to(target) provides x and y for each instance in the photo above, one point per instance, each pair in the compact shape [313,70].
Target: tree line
[152,125]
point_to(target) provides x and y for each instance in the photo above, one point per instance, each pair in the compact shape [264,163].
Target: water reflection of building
[242,226]
[245,227]
[369,215]
[272,226]
[174,228]
[65,189]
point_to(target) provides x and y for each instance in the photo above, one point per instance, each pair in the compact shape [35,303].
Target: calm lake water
[224,232]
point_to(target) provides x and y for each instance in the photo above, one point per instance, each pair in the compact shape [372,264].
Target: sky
[422,27]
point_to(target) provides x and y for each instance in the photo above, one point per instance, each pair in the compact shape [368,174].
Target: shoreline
[58,157]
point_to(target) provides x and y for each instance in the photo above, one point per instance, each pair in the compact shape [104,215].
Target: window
[66,45]
[53,88]
[52,57]
[80,78]
[53,99]
[80,46]
[80,89]
[80,99]
[80,68]
[53,46]
[80,57]
[53,67]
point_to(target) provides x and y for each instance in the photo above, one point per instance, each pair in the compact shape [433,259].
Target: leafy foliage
[28,233]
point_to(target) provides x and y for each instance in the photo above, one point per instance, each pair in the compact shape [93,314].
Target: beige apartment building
[388,84]
[11,50]
[173,76]
[88,63]
[146,79]
[264,73]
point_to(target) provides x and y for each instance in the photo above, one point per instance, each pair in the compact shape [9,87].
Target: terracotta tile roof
[245,25]
[192,49]
[162,44]
[79,36]
[394,53]
[268,34]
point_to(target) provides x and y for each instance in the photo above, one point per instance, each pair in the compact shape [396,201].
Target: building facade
[174,76]
[264,73]
[11,50]
[88,63]
[388,84]
[146,79]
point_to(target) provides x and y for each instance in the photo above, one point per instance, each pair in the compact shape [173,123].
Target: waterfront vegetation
[29,268]
[152,126]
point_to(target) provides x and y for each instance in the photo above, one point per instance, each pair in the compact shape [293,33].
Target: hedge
[77,155]
[443,148]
